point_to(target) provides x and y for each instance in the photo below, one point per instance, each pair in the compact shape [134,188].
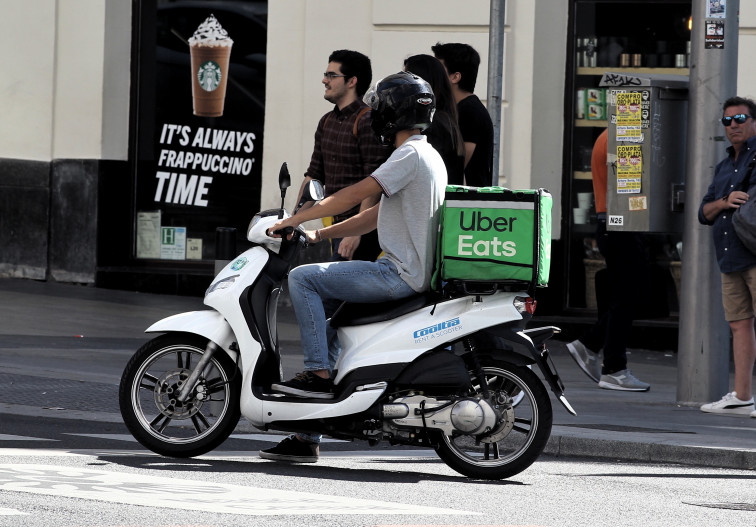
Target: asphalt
[77,321]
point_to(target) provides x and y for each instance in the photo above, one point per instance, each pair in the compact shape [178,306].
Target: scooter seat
[349,314]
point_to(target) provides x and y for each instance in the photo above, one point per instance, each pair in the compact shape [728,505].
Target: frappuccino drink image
[210,50]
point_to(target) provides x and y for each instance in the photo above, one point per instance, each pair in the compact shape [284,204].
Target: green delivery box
[494,234]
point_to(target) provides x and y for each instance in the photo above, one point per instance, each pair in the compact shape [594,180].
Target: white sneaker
[587,360]
[730,404]
[623,380]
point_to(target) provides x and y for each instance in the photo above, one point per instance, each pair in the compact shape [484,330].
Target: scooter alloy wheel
[520,434]
[150,407]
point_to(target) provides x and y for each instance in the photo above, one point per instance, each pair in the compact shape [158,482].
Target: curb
[648,452]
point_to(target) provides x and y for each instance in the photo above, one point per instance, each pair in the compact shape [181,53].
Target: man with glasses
[736,262]
[346,148]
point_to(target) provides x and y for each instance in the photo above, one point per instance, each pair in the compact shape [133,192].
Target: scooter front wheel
[149,402]
[520,434]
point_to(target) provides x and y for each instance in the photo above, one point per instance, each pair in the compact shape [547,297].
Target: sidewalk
[647,427]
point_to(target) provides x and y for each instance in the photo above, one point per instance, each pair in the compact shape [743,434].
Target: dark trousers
[628,275]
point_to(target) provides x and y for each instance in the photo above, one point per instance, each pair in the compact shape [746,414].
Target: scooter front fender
[207,323]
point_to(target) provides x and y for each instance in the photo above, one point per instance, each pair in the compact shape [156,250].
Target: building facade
[93,172]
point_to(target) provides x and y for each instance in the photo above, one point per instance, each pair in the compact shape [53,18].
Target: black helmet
[402,101]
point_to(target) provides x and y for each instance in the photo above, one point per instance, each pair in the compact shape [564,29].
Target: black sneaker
[306,384]
[292,450]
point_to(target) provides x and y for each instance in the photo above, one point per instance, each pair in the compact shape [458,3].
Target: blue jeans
[355,281]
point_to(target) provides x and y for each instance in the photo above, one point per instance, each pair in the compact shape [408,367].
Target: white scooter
[439,371]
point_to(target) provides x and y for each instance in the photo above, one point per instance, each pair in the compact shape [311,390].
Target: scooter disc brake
[166,396]
[505,421]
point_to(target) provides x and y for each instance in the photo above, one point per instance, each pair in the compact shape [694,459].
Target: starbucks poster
[199,143]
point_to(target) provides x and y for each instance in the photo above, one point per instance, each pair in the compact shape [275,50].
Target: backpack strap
[362,112]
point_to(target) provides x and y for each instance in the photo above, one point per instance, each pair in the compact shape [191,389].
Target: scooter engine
[467,415]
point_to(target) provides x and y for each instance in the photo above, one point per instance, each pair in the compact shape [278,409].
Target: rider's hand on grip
[281,232]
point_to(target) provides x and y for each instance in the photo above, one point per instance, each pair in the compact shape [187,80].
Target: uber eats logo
[491,233]
[497,231]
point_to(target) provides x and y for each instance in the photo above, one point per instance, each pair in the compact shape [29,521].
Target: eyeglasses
[739,118]
[330,75]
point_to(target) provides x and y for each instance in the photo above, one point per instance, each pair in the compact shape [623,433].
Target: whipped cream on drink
[210,33]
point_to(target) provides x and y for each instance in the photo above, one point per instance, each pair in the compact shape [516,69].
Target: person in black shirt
[461,62]
[444,133]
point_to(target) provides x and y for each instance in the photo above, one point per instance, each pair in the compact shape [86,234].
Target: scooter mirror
[284,179]
[313,191]
[284,182]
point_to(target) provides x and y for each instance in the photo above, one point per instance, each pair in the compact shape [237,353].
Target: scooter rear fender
[525,342]
[207,323]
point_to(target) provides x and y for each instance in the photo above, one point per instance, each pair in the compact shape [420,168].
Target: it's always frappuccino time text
[196,157]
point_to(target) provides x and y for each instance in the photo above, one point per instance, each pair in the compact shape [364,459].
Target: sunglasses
[739,118]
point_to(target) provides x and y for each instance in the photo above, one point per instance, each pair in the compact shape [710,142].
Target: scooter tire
[519,439]
[151,411]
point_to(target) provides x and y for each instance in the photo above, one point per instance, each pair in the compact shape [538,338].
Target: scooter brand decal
[437,330]
[239,263]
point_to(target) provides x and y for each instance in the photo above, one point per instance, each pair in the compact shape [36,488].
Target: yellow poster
[629,117]
[629,169]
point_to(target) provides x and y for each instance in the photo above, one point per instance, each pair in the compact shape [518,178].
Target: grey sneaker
[588,361]
[622,380]
[730,404]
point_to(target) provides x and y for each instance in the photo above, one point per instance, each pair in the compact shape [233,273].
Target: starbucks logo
[209,75]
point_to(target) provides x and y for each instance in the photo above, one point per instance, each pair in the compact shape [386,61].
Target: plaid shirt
[340,159]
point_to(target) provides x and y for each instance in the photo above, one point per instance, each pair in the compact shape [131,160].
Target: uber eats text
[476,221]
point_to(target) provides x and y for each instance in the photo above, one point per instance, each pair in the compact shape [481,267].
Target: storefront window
[637,38]
[199,131]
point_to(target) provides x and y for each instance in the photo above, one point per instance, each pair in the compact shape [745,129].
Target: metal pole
[704,337]
[495,67]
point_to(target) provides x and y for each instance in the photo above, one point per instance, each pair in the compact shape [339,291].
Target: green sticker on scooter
[238,264]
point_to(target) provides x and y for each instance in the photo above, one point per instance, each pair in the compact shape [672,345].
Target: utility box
[647,119]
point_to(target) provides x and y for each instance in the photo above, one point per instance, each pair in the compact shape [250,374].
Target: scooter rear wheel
[519,437]
[150,407]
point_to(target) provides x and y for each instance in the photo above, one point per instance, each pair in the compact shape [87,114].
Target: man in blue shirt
[737,264]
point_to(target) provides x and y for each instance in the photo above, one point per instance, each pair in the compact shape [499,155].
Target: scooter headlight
[222,284]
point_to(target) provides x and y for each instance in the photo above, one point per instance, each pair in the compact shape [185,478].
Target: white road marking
[115,437]
[6,437]
[275,438]
[11,512]
[188,495]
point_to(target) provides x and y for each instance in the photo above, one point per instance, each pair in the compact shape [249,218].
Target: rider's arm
[343,200]
[357,225]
